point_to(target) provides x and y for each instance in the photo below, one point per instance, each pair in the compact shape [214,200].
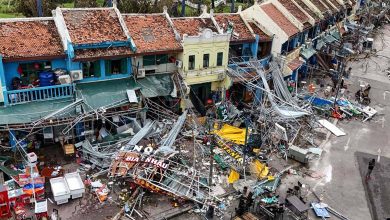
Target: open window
[191,62]
[219,58]
[91,69]
[114,67]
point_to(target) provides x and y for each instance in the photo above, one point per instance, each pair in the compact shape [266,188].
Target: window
[114,67]
[91,69]
[155,59]
[206,58]
[219,58]
[191,62]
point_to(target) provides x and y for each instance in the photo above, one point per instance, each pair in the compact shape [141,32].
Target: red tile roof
[29,39]
[93,54]
[307,9]
[337,4]
[93,25]
[329,6]
[279,19]
[295,64]
[294,10]
[239,27]
[263,36]
[193,26]
[319,5]
[151,33]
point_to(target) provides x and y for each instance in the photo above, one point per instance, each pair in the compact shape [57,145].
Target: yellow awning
[231,133]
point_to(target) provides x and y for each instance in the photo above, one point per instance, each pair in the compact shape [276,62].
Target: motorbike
[361,96]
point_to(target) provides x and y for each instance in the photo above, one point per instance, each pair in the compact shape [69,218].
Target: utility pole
[183,8]
[232,6]
[211,143]
[39,8]
[245,146]
[212,4]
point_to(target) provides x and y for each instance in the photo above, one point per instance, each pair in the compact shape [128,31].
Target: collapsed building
[159,101]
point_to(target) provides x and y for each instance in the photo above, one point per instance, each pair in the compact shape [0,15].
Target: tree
[85,3]
[29,7]
[142,6]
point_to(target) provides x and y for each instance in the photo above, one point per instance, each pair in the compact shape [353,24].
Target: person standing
[371,166]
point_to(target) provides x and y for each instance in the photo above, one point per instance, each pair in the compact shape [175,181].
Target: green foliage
[85,3]
[142,6]
[29,7]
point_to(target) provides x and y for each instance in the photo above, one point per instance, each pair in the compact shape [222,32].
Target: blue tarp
[318,101]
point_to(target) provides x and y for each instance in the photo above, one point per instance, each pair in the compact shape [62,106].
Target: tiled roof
[295,64]
[337,4]
[319,5]
[193,26]
[294,10]
[307,9]
[263,36]
[88,26]
[29,39]
[91,54]
[239,27]
[279,19]
[329,6]
[151,33]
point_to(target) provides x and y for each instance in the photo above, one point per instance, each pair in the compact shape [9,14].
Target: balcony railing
[38,94]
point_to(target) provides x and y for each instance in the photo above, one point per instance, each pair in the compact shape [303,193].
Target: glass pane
[161,59]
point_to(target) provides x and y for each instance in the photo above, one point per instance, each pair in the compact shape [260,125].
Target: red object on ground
[5,211]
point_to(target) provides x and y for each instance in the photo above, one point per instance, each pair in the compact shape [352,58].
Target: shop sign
[230,151]
[149,160]
[146,150]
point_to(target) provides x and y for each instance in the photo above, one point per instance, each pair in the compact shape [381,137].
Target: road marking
[347,144]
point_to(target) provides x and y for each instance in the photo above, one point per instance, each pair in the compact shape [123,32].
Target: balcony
[14,97]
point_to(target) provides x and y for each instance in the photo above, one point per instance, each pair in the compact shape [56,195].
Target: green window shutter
[97,68]
[108,67]
[123,66]
[149,60]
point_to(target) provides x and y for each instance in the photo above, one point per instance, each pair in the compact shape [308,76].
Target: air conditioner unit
[64,79]
[179,63]
[76,75]
[141,73]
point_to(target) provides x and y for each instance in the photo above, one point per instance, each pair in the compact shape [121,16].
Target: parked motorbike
[361,96]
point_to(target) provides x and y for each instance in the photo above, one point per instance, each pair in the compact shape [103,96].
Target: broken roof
[280,19]
[193,26]
[331,8]
[294,10]
[307,9]
[91,26]
[110,52]
[263,36]
[295,64]
[151,33]
[337,4]
[29,39]
[319,5]
[241,32]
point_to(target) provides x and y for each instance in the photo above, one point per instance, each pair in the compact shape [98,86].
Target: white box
[60,189]
[75,184]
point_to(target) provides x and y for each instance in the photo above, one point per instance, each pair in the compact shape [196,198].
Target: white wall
[256,13]
[1,93]
[162,68]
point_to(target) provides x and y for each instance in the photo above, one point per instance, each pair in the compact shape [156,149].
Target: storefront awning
[156,85]
[106,94]
[308,52]
[30,112]
[292,66]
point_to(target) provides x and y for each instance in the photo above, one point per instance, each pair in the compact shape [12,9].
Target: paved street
[342,186]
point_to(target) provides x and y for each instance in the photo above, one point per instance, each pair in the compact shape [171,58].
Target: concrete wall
[256,13]
[162,68]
